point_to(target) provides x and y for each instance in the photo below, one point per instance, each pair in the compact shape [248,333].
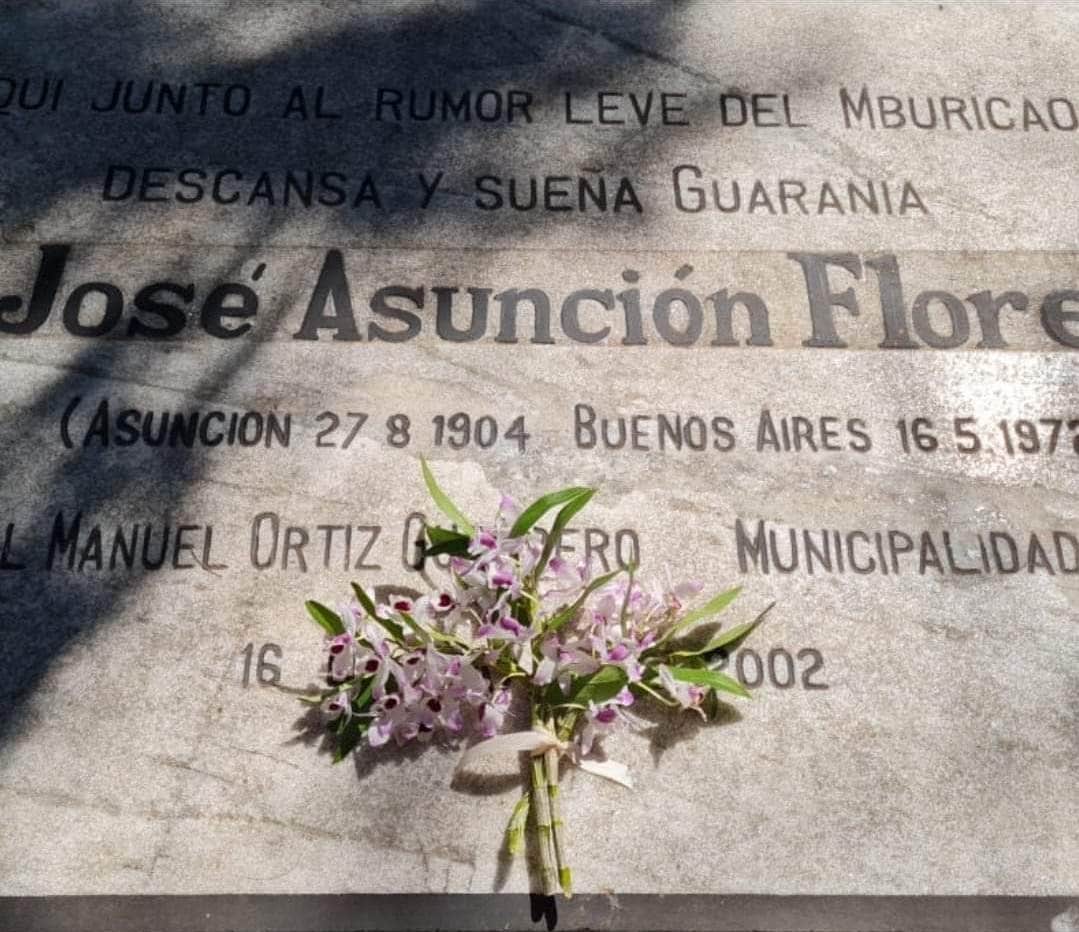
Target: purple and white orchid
[514,617]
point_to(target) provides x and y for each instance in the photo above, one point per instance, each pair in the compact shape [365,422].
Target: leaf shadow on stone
[67,608]
[419,47]
[310,730]
[486,784]
[673,727]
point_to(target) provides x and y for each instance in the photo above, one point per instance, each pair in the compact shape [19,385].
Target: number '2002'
[779,667]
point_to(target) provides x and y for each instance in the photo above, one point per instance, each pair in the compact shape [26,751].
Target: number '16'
[267,673]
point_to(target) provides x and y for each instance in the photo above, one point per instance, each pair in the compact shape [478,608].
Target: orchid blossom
[515,616]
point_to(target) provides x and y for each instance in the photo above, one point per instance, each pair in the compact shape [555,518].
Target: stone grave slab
[796,287]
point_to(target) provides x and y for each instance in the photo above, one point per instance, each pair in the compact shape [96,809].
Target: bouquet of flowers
[514,615]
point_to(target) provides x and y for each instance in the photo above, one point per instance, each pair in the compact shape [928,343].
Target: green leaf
[395,630]
[445,505]
[328,620]
[644,687]
[440,637]
[364,599]
[392,628]
[713,679]
[348,737]
[712,607]
[600,687]
[325,694]
[416,628]
[560,522]
[541,506]
[351,732]
[729,638]
[566,614]
[439,535]
[455,548]
[446,541]
[515,831]
[363,700]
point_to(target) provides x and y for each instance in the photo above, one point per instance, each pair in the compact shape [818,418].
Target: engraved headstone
[795,286]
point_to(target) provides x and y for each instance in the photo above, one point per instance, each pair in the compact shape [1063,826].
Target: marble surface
[914,730]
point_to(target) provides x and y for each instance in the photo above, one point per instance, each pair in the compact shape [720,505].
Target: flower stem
[565,875]
[541,807]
